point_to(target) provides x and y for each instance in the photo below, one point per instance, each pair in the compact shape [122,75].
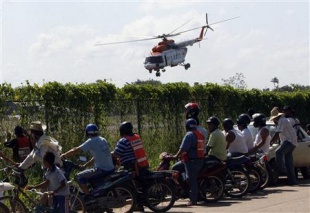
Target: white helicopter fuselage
[171,57]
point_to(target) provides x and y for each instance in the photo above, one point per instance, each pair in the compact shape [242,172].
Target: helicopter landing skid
[186,66]
[158,72]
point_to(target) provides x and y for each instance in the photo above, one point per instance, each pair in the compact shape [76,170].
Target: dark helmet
[191,124]
[259,119]
[91,129]
[125,128]
[228,123]
[18,130]
[244,119]
[214,120]
[192,110]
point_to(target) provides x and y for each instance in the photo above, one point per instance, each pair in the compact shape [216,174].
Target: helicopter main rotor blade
[208,25]
[129,41]
[224,20]
[179,27]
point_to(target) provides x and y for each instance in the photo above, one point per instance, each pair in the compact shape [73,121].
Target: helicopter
[169,53]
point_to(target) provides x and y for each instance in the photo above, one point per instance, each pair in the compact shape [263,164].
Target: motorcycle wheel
[264,177]
[255,179]
[273,173]
[237,184]
[76,204]
[160,196]
[124,198]
[211,189]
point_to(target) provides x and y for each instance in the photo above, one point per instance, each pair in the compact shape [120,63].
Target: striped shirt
[286,130]
[124,150]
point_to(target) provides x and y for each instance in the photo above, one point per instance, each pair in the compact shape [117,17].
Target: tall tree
[237,81]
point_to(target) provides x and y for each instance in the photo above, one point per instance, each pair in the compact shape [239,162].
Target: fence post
[139,116]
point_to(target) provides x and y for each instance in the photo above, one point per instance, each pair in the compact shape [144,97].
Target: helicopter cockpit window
[154,59]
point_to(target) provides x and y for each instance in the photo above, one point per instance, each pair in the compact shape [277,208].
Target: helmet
[125,128]
[244,119]
[228,123]
[18,130]
[190,124]
[214,120]
[192,110]
[91,129]
[259,119]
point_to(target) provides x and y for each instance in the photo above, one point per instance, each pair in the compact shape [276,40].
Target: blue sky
[54,41]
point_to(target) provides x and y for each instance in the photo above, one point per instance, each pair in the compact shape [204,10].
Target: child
[56,185]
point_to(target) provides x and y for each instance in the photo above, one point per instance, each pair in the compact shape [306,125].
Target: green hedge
[157,111]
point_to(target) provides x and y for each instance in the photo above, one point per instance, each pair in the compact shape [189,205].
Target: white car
[301,153]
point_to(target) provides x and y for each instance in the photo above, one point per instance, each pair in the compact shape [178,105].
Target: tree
[148,82]
[275,82]
[237,81]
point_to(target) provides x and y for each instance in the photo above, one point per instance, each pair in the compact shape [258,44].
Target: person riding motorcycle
[129,150]
[262,138]
[99,149]
[216,146]
[191,151]
[235,142]
[243,121]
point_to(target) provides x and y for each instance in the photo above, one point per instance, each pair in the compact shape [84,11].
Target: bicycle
[15,205]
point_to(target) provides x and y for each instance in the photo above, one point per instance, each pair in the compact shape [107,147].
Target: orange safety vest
[139,152]
[200,147]
[23,144]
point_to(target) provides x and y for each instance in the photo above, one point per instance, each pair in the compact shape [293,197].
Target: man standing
[192,152]
[288,142]
[21,145]
[192,110]
[43,144]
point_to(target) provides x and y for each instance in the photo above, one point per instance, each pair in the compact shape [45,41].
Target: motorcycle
[257,168]
[111,193]
[237,180]
[210,180]
[155,191]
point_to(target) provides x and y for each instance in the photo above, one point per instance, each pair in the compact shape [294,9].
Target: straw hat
[37,126]
[274,113]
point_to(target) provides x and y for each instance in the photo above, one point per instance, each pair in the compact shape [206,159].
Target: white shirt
[258,139]
[44,144]
[248,138]
[238,145]
[286,130]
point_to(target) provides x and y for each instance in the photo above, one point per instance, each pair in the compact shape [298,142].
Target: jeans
[84,176]
[60,203]
[192,169]
[285,153]
[180,167]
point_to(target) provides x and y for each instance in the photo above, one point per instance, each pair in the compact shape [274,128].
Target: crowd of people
[199,145]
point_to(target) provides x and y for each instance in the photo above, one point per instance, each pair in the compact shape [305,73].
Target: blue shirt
[189,144]
[99,149]
[124,150]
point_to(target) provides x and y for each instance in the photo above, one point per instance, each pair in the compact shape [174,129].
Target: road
[280,198]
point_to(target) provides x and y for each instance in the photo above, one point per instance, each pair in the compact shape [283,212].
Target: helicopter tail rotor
[207,26]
